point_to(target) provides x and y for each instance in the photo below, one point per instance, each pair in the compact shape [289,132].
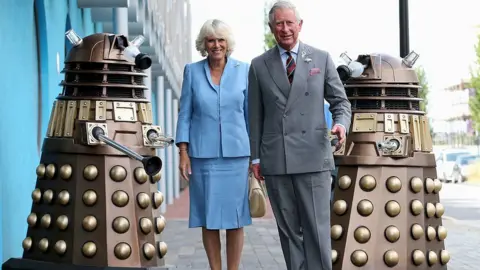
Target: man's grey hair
[282,4]
[217,29]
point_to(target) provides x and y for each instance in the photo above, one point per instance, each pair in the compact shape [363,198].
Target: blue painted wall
[19,124]
[34,50]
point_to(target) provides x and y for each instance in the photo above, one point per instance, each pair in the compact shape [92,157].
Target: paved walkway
[262,247]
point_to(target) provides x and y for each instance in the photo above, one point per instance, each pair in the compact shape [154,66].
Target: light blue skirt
[219,193]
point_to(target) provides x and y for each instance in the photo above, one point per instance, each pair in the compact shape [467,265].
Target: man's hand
[339,131]
[255,168]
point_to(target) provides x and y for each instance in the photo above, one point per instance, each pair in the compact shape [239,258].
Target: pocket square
[314,71]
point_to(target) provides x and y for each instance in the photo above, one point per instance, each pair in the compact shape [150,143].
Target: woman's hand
[185,168]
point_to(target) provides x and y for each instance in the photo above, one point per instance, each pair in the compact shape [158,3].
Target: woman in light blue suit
[212,136]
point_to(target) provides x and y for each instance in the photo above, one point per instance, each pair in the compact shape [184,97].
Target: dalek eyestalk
[133,54]
[349,69]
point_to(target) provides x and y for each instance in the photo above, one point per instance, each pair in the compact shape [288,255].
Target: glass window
[467,160]
[453,156]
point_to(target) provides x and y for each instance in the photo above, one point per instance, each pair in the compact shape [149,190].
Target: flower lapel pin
[306,59]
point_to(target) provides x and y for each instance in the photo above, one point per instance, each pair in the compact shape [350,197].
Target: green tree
[423,92]
[268,38]
[475,84]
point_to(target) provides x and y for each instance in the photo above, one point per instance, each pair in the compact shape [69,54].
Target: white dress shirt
[284,56]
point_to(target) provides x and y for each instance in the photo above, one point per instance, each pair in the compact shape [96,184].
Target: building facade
[456,126]
[33,51]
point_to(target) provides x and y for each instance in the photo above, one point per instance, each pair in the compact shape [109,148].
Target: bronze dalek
[95,205]
[386,212]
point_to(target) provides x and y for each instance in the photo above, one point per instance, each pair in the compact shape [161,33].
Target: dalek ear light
[345,58]
[138,41]
[410,59]
[73,38]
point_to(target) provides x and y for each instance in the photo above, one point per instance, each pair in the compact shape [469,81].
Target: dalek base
[25,264]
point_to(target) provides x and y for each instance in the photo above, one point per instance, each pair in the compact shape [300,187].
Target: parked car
[446,161]
[462,167]
[473,171]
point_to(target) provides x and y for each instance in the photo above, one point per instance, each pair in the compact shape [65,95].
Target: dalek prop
[95,203]
[386,212]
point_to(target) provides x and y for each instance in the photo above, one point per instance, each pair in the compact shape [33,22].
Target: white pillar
[120,21]
[176,157]
[189,31]
[169,159]
[162,185]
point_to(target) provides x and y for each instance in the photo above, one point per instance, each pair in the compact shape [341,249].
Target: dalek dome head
[107,48]
[104,66]
[378,68]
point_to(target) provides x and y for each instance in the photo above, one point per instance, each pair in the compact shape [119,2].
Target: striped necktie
[290,67]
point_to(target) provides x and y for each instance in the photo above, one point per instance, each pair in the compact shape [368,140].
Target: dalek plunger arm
[152,165]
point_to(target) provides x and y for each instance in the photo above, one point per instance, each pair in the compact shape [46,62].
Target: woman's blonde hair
[217,29]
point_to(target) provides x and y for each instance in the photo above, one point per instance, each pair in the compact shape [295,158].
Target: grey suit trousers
[301,205]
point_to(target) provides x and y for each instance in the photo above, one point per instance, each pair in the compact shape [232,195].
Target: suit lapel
[300,76]
[226,71]
[208,75]
[278,74]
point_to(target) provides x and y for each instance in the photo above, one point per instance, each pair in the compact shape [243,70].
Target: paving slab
[262,246]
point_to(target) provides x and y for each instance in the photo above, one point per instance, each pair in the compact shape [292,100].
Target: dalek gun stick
[152,165]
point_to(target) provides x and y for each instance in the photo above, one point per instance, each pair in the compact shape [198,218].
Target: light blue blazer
[213,119]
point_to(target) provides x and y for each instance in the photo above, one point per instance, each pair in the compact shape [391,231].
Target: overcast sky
[442,32]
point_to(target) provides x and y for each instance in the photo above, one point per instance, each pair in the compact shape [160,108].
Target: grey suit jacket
[288,132]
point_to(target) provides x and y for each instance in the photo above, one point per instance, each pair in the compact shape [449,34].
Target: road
[462,203]
[462,219]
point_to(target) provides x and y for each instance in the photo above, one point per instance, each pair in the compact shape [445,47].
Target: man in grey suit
[289,140]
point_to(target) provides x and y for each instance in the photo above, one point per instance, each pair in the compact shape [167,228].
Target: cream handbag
[256,197]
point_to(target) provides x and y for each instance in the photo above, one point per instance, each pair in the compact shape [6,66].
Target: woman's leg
[234,248]
[211,242]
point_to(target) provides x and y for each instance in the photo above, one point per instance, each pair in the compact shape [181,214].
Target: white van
[446,161]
